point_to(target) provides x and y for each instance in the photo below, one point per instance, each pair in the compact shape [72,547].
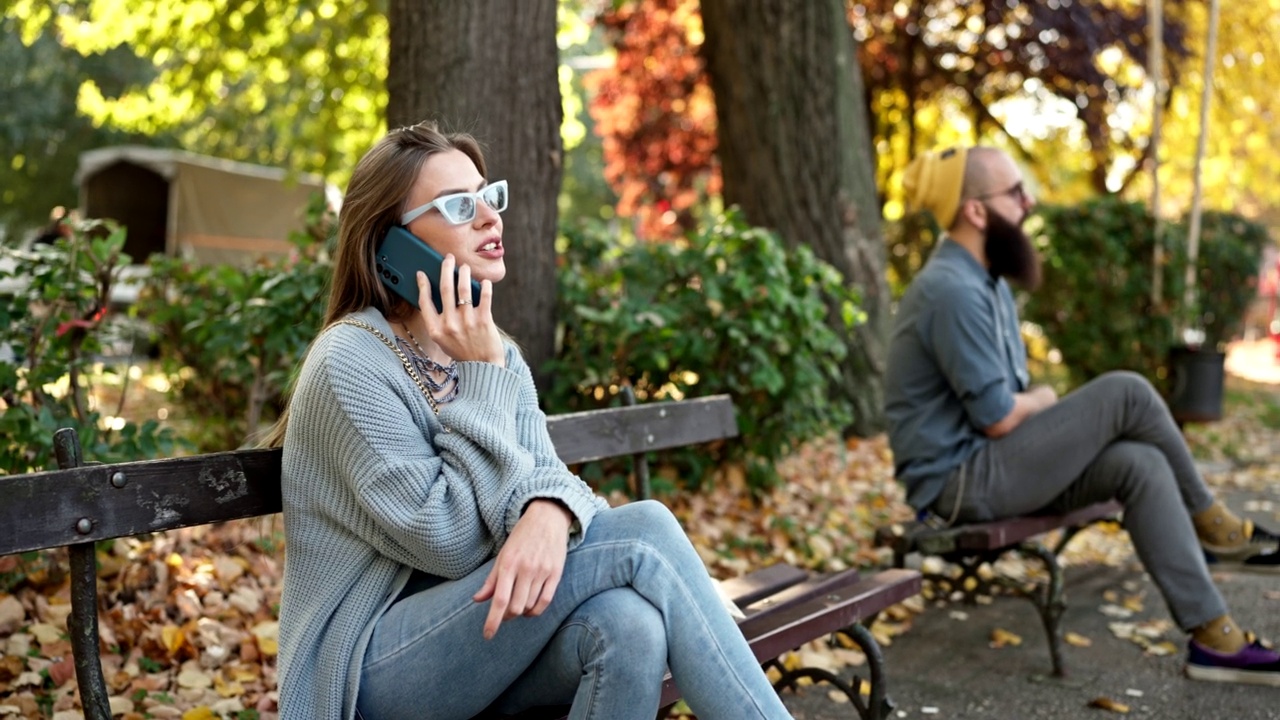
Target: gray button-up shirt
[956,359]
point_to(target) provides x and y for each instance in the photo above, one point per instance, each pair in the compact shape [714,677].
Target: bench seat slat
[1003,533]
[750,588]
[774,633]
[814,587]
[994,535]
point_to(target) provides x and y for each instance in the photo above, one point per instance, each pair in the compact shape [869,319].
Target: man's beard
[1010,253]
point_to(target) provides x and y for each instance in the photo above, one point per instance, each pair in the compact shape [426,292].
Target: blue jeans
[634,600]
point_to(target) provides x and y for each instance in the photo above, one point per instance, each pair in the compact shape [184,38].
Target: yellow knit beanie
[933,182]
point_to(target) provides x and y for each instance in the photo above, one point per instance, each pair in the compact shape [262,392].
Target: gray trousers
[1111,438]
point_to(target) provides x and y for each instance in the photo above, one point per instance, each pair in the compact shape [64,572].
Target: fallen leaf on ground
[1077,640]
[1003,638]
[1115,611]
[1106,703]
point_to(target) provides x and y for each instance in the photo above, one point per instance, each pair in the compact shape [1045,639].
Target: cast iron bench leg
[1047,597]
[82,623]
[1048,601]
[877,706]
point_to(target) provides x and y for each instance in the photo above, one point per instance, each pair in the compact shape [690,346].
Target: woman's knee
[645,518]
[624,626]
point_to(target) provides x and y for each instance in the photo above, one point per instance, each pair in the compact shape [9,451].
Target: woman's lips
[491,249]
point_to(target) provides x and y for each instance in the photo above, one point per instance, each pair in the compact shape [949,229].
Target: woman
[441,559]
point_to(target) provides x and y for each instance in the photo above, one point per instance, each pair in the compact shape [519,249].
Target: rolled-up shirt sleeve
[961,330]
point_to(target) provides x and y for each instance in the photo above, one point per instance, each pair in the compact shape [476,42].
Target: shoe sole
[1227,566]
[1233,675]
[1240,552]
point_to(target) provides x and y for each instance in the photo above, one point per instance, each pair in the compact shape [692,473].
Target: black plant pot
[1195,384]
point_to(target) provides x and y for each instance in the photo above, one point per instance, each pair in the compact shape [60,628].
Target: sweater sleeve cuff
[576,496]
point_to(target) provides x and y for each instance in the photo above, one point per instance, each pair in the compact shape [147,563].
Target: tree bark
[489,67]
[796,154]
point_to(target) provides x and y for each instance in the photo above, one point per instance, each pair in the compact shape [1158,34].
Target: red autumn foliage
[656,114]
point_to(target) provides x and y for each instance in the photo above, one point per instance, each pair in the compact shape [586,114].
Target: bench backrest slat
[82,504]
[621,431]
[55,508]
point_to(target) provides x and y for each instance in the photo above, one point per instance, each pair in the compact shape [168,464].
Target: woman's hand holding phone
[464,327]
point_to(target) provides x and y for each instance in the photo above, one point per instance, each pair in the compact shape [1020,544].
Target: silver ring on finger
[464,301]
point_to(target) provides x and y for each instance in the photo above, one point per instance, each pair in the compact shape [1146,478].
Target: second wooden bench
[974,545]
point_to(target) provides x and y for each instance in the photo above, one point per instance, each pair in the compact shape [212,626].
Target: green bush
[909,241]
[1227,280]
[1095,305]
[726,310]
[54,326]
[229,337]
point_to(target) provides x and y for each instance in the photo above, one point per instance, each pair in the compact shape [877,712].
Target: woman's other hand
[527,570]
[464,329]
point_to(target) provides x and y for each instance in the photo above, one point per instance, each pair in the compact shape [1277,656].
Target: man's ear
[973,212]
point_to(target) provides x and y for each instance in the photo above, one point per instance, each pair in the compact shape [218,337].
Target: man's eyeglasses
[1018,192]
[460,208]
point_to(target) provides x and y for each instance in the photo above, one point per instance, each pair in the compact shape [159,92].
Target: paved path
[945,665]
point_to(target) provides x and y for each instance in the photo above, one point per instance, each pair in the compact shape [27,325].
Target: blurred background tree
[470,65]
[42,129]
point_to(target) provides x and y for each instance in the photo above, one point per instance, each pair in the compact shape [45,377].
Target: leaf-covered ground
[189,618]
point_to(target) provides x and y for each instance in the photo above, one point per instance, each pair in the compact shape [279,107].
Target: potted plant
[1225,282]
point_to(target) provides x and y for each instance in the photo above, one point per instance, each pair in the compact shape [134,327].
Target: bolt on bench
[972,546]
[80,504]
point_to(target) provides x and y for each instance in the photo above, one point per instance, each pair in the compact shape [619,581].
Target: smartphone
[398,258]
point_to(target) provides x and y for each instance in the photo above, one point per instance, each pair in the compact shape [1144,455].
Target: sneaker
[1256,664]
[1260,554]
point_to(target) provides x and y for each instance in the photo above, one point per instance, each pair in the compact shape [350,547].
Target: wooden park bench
[974,545]
[81,504]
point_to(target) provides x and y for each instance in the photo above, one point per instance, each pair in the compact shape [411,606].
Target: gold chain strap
[408,366]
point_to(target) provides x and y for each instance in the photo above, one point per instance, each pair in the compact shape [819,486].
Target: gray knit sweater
[374,488]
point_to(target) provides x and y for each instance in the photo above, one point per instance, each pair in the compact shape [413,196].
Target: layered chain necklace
[444,389]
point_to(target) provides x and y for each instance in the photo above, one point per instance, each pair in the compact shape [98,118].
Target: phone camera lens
[378,267]
[395,280]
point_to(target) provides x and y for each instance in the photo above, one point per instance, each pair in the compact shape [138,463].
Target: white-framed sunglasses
[460,208]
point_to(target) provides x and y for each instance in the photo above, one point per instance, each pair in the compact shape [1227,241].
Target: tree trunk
[489,67]
[795,153]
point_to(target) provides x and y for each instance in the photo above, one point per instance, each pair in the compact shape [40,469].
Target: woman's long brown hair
[374,203]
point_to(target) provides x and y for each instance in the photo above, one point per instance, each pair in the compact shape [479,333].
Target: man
[973,441]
